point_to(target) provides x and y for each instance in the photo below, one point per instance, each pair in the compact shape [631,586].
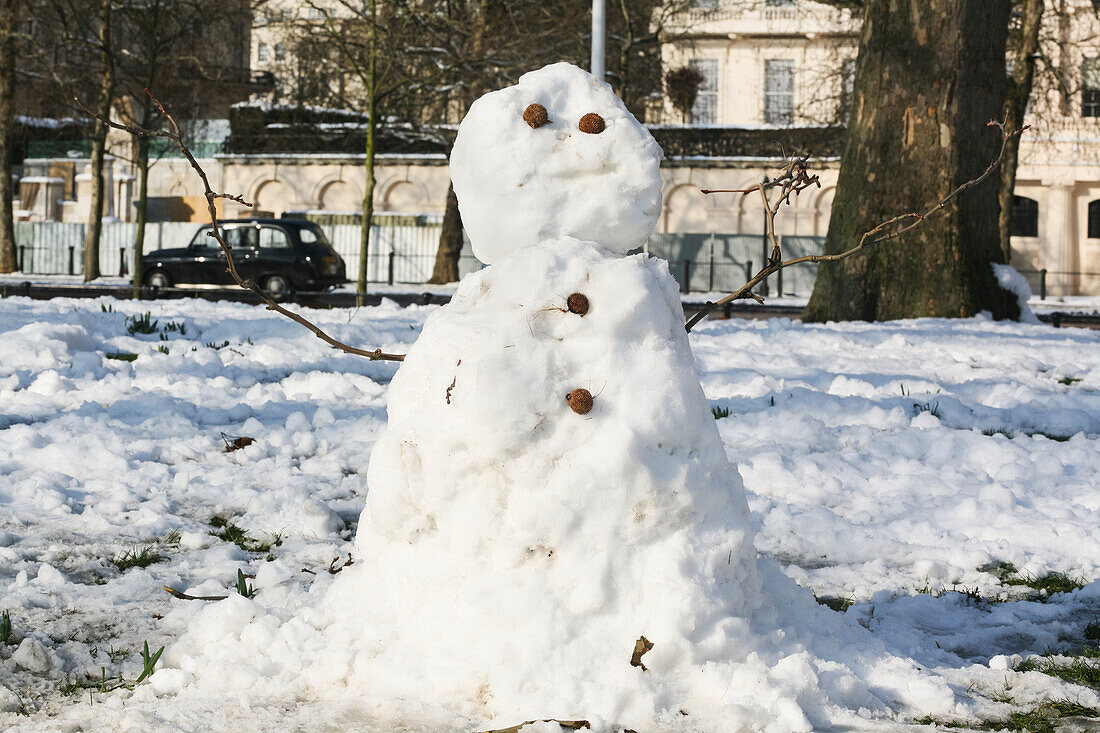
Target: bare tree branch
[795,179]
[211,196]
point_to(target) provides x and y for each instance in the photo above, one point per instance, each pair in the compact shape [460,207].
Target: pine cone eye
[591,123]
[535,115]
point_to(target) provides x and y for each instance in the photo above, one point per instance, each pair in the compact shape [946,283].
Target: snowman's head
[557,154]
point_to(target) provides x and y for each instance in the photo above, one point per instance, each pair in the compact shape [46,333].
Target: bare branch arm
[211,197]
[794,179]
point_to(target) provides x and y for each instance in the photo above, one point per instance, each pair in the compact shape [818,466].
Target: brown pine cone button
[580,401]
[591,123]
[535,115]
[577,303]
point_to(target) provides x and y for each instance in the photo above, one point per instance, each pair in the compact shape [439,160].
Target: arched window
[1094,219]
[1025,217]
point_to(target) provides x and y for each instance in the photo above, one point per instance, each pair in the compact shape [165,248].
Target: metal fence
[403,250]
[725,262]
[1043,282]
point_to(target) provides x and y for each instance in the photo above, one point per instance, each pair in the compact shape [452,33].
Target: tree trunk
[450,243]
[142,203]
[368,162]
[99,143]
[1019,90]
[449,251]
[930,74]
[8,25]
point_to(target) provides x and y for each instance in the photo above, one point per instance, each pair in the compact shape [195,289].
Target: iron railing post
[1042,284]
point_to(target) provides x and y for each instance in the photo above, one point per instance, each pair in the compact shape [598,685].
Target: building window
[1094,219]
[705,109]
[779,3]
[779,92]
[280,51]
[1090,87]
[1025,217]
[261,53]
[847,88]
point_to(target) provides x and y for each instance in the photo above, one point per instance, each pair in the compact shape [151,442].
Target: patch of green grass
[103,683]
[1081,670]
[929,720]
[720,412]
[106,308]
[932,408]
[835,603]
[175,327]
[1045,586]
[990,432]
[1069,381]
[143,324]
[212,345]
[135,558]
[5,627]
[121,355]
[1039,719]
[162,349]
[243,586]
[229,532]
[1049,584]
[148,662]
[1092,631]
[999,568]
[1057,437]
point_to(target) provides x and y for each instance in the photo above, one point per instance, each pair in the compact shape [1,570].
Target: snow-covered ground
[1064,303]
[885,464]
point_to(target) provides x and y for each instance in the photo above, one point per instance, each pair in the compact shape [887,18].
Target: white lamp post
[597,38]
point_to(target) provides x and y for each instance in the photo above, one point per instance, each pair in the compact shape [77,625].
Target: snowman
[552,529]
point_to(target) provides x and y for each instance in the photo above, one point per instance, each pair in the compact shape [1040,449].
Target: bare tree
[162,47]
[104,100]
[1023,51]
[368,39]
[933,69]
[9,20]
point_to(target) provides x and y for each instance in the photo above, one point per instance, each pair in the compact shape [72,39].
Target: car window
[313,234]
[202,239]
[236,237]
[272,238]
[240,237]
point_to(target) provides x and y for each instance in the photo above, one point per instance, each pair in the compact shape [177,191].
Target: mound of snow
[1009,278]
[512,551]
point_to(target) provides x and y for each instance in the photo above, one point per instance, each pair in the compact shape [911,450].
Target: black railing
[1040,280]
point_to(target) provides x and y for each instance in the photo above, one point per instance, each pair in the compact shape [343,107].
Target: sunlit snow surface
[857,488]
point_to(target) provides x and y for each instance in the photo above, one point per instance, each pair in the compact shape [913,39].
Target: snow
[518,553]
[853,491]
[1012,281]
[554,180]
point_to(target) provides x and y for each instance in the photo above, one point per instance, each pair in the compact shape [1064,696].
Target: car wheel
[157,279]
[277,287]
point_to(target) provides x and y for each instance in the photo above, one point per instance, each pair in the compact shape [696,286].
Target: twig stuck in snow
[184,597]
[211,196]
[794,179]
[567,724]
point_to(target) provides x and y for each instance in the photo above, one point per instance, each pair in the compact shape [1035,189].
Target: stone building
[776,77]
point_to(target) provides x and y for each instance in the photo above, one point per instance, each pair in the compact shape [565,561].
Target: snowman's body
[513,551]
[547,542]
